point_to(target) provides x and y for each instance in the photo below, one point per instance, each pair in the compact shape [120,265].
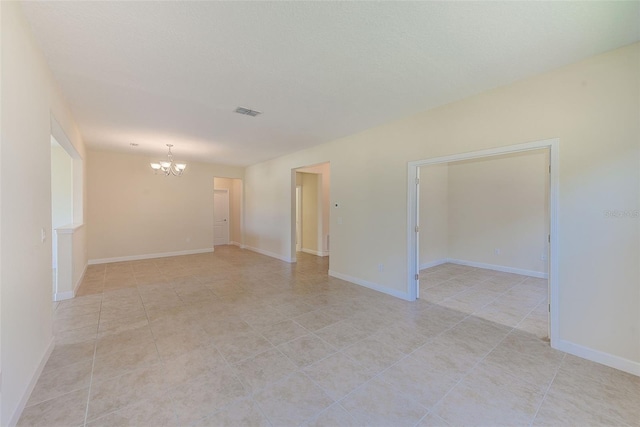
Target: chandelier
[168,167]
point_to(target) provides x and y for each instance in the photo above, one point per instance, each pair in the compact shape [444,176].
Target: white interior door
[220,217]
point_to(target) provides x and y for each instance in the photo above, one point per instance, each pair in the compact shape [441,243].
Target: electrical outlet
[380,268]
[497,251]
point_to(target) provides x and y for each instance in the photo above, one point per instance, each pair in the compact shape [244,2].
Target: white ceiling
[173,72]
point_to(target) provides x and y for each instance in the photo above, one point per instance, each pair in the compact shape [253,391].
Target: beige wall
[434,215]
[234,186]
[500,203]
[133,213]
[592,107]
[310,223]
[471,209]
[29,99]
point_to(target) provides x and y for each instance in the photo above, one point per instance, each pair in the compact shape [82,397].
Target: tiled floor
[236,338]
[512,300]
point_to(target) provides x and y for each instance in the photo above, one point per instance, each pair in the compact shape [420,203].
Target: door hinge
[549,168]
[417,277]
[549,308]
[549,238]
[417,228]
[417,181]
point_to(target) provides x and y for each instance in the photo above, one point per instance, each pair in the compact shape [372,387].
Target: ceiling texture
[158,72]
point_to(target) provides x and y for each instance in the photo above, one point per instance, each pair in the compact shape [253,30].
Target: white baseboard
[79,282]
[597,356]
[32,383]
[271,254]
[240,245]
[61,296]
[434,263]
[149,256]
[376,287]
[530,273]
[317,253]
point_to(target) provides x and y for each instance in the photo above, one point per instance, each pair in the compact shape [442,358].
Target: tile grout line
[489,352]
[135,286]
[93,362]
[544,396]
[463,377]
[162,361]
[251,393]
[298,369]
[473,367]
[542,300]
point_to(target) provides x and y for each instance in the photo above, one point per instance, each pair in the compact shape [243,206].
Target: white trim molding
[504,269]
[60,296]
[375,286]
[413,173]
[317,253]
[434,263]
[271,254]
[240,245]
[148,256]
[79,282]
[597,356]
[32,384]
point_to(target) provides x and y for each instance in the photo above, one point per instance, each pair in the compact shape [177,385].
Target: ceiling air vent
[247,111]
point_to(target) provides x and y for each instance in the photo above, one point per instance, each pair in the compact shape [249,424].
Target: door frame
[292,233]
[298,218]
[226,191]
[413,175]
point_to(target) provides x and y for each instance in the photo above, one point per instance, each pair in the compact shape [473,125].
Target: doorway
[227,211]
[298,218]
[550,253]
[310,203]
[66,214]
[61,199]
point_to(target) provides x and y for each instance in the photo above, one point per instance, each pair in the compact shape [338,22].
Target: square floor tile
[373,404]
[338,375]
[205,395]
[489,396]
[334,416]
[306,350]
[157,411]
[416,378]
[65,410]
[241,413]
[293,401]
[373,354]
[54,382]
[263,369]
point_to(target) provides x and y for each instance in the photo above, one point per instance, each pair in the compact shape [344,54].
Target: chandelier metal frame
[168,167]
